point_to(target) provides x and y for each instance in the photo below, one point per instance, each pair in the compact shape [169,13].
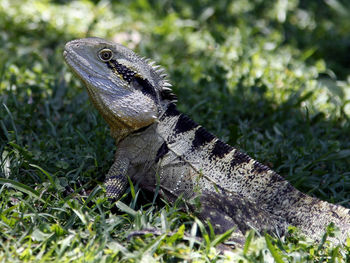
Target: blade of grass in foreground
[277,256]
[22,187]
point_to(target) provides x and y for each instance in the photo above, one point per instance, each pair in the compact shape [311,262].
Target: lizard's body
[154,139]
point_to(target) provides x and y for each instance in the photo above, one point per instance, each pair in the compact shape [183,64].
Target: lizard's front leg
[116,180]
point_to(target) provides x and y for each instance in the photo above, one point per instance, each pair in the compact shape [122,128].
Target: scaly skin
[153,138]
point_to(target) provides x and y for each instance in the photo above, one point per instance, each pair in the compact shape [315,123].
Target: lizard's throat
[119,126]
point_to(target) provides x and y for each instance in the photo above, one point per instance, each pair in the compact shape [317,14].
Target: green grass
[269,78]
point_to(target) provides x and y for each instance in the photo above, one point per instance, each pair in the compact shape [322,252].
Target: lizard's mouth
[92,79]
[79,68]
[79,65]
[85,73]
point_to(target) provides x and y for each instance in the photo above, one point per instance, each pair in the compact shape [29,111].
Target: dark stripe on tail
[220,149]
[201,137]
[275,178]
[239,158]
[170,111]
[184,124]
[259,168]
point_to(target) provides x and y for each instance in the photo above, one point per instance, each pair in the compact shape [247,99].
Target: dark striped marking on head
[163,150]
[239,158]
[220,149]
[131,77]
[184,124]
[202,137]
[124,71]
[145,86]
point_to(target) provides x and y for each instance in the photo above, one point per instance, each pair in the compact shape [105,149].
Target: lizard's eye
[105,54]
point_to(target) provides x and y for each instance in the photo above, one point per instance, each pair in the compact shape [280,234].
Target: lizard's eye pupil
[105,54]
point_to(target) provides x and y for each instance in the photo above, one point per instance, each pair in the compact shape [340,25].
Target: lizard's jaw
[92,74]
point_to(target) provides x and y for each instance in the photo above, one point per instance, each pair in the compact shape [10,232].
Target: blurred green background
[269,77]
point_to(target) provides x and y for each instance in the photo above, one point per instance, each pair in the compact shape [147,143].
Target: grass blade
[248,241]
[277,256]
[22,188]
[222,237]
[124,208]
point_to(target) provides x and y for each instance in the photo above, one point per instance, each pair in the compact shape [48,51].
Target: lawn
[271,78]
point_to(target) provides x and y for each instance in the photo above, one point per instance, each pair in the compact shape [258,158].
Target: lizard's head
[129,91]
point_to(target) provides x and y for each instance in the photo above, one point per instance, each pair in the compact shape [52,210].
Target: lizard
[158,145]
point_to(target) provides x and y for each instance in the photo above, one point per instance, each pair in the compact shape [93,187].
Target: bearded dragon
[156,144]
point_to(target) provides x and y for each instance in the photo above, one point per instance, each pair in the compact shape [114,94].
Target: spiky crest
[165,87]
